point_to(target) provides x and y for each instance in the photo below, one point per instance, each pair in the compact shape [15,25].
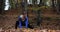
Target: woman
[22,21]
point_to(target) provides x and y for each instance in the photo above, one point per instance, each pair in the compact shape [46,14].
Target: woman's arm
[26,22]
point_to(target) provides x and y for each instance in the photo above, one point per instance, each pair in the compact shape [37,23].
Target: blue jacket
[20,22]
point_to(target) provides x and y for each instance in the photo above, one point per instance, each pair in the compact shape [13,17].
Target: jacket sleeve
[26,22]
[20,25]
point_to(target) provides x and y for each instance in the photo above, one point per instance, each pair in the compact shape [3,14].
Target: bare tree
[1,6]
[58,6]
[53,3]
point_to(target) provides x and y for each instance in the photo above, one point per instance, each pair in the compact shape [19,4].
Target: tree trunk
[53,3]
[1,6]
[58,6]
[40,4]
[38,18]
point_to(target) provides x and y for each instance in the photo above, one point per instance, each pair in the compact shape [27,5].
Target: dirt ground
[28,30]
